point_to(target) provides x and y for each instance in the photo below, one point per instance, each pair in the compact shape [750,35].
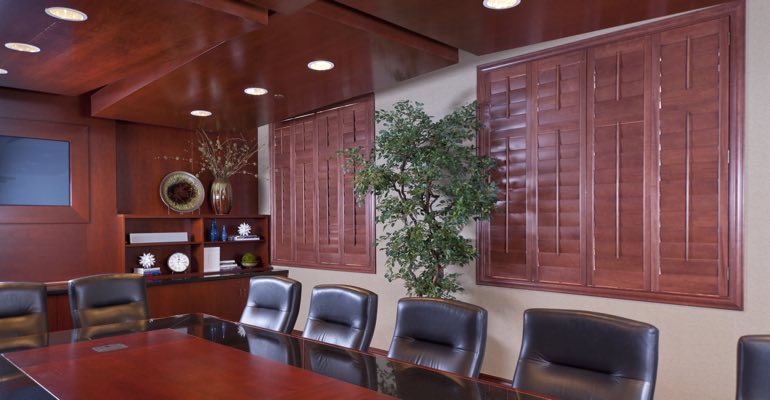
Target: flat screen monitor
[34,172]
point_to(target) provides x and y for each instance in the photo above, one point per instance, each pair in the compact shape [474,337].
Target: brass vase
[221,196]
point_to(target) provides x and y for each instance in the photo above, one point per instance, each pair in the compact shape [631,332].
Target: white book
[211,259]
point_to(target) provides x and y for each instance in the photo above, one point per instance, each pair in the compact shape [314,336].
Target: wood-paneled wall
[141,167]
[59,251]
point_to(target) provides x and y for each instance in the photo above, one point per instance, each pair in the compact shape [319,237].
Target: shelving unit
[197,228]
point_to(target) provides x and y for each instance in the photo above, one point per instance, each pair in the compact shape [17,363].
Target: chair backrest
[447,335]
[753,367]
[571,354]
[342,315]
[23,312]
[273,303]
[107,299]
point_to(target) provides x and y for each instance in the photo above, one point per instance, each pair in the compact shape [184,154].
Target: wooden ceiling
[154,61]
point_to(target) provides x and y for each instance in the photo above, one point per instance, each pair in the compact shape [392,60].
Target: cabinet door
[222,298]
[692,159]
[618,123]
[503,104]
[558,85]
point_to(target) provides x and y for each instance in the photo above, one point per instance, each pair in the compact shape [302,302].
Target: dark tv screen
[34,172]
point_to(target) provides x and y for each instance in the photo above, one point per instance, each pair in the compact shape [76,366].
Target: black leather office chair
[573,355]
[447,335]
[753,367]
[23,315]
[342,315]
[273,303]
[107,299]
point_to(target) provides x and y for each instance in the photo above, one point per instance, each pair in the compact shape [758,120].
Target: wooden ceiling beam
[246,11]
[356,19]
[286,7]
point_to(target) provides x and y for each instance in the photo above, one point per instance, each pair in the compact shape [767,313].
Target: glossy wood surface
[359,374]
[485,31]
[653,164]
[59,251]
[368,55]
[169,364]
[119,39]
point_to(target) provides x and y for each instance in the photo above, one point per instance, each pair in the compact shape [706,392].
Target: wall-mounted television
[34,172]
[44,175]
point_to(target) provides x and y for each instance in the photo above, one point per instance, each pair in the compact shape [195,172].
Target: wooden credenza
[223,295]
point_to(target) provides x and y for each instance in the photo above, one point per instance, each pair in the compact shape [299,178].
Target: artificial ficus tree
[428,183]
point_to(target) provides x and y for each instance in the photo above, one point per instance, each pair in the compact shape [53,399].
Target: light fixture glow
[320,65]
[501,4]
[255,91]
[23,47]
[3,71]
[66,14]
[200,113]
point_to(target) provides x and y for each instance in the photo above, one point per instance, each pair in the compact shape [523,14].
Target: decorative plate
[182,192]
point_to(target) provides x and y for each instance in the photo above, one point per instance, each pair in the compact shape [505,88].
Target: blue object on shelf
[213,232]
[224,234]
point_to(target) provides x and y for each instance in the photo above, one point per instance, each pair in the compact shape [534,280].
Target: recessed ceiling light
[27,48]
[320,65]
[67,14]
[255,91]
[501,4]
[200,113]
[3,71]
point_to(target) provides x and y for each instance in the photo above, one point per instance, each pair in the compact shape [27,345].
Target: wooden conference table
[197,356]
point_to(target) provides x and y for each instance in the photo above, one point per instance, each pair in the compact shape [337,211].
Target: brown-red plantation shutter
[693,134]
[557,150]
[316,219]
[281,185]
[357,125]
[503,104]
[328,131]
[304,171]
[618,211]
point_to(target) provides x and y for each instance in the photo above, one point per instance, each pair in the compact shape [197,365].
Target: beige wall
[697,345]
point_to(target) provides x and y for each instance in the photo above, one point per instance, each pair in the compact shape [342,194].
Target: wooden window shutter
[357,122]
[329,243]
[315,217]
[557,151]
[618,126]
[693,140]
[504,102]
[619,164]
[281,194]
[304,167]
